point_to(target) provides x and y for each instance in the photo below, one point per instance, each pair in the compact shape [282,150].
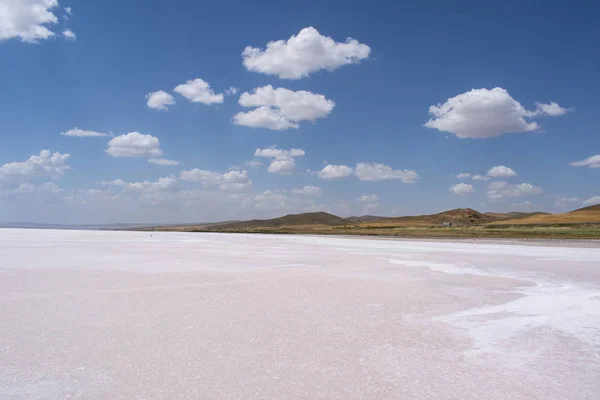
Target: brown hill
[589,214]
[318,218]
[514,215]
[594,208]
[458,216]
[365,218]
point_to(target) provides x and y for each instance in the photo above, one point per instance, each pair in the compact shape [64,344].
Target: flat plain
[171,315]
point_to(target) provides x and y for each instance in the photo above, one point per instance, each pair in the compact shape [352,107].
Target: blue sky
[361,106]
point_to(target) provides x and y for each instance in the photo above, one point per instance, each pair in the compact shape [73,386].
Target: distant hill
[318,218]
[458,216]
[514,215]
[594,208]
[365,218]
[589,214]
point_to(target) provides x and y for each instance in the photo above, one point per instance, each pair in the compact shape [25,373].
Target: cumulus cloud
[552,110]
[199,91]
[480,178]
[159,100]
[462,189]
[335,172]
[303,54]
[283,160]
[46,164]
[484,113]
[281,108]
[272,152]
[368,198]
[167,184]
[501,171]
[134,144]
[463,175]
[282,165]
[253,163]
[231,91]
[69,34]
[30,20]
[314,191]
[501,190]
[592,201]
[232,181]
[163,161]
[590,162]
[76,132]
[378,172]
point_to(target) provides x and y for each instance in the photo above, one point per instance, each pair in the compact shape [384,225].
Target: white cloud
[232,181]
[281,108]
[167,184]
[27,20]
[501,171]
[163,161]
[134,144]
[480,178]
[264,117]
[551,110]
[335,172]
[231,91]
[463,175]
[501,190]
[52,187]
[47,164]
[272,152]
[565,201]
[160,100]
[282,165]
[590,162]
[253,163]
[462,189]
[199,91]
[368,198]
[592,201]
[69,10]
[76,132]
[484,113]
[378,172]
[283,160]
[314,191]
[68,34]
[303,54]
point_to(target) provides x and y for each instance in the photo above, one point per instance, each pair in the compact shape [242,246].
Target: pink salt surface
[137,315]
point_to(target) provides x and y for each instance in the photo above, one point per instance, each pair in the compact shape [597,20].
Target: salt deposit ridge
[140,315]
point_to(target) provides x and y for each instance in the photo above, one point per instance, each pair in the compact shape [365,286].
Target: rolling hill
[364,218]
[458,216]
[514,215]
[589,214]
[306,219]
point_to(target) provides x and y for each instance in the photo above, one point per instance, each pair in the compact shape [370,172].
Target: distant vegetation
[461,222]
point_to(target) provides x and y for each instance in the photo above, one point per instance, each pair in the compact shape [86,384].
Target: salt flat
[139,315]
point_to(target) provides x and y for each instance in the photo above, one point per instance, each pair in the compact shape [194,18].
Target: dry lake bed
[140,315]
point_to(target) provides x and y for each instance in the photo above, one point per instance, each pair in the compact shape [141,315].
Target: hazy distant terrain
[461,222]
